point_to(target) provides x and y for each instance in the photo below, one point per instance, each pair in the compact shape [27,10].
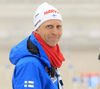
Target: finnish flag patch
[29,84]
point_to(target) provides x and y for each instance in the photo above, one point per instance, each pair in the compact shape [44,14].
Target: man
[37,57]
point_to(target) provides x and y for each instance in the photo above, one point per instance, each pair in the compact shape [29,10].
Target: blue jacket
[30,66]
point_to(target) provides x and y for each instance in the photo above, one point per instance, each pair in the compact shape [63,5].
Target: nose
[55,31]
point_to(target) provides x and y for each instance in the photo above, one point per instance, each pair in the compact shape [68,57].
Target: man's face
[50,31]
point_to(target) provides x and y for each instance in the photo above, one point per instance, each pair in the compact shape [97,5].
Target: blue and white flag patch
[29,84]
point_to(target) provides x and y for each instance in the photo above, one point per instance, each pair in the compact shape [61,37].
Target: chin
[52,45]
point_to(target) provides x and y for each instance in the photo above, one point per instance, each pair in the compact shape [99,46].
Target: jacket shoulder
[30,59]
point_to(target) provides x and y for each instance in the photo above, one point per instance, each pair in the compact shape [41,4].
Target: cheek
[43,35]
[60,33]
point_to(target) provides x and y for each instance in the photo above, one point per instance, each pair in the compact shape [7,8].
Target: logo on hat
[54,15]
[36,15]
[37,22]
[51,11]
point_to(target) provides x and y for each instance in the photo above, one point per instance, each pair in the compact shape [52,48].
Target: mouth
[53,38]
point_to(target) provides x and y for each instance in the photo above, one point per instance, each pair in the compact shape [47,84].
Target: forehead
[52,22]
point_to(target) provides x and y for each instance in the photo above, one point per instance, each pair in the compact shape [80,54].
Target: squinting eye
[59,26]
[49,26]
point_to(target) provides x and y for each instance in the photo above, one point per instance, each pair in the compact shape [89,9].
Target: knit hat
[45,12]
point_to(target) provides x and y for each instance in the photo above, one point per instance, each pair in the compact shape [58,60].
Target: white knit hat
[45,12]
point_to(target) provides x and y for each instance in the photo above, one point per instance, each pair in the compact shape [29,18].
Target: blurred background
[80,43]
